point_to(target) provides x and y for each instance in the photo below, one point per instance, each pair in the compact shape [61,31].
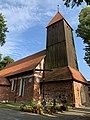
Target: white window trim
[21,88]
[12,85]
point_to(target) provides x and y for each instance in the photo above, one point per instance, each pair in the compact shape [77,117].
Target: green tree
[83,31]
[75,2]
[5,61]
[87,55]
[3,29]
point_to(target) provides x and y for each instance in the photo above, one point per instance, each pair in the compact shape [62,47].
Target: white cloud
[21,14]
[19,17]
[24,14]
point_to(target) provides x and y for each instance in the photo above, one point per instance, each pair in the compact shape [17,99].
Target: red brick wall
[59,90]
[37,80]
[31,89]
[4,93]
[89,92]
[36,89]
[81,93]
[28,92]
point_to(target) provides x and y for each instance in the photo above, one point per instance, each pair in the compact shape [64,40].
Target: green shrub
[22,107]
[33,102]
[58,108]
[64,108]
[34,108]
[26,108]
[51,109]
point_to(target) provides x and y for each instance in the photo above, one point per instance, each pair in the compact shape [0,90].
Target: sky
[27,21]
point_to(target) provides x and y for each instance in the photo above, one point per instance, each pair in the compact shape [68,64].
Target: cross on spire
[58,7]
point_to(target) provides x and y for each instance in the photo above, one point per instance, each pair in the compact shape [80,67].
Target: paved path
[73,114]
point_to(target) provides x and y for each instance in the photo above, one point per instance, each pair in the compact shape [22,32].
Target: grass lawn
[14,106]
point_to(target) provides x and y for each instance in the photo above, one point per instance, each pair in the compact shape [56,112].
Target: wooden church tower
[60,44]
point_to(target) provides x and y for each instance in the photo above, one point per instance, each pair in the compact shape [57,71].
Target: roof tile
[23,65]
[65,73]
[55,19]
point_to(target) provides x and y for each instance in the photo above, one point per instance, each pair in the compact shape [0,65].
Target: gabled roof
[56,18]
[23,65]
[4,81]
[65,73]
[77,75]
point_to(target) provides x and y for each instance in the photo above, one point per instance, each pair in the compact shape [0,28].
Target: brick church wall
[36,89]
[58,90]
[28,92]
[89,91]
[80,92]
[31,88]
[37,80]
[4,93]
[28,88]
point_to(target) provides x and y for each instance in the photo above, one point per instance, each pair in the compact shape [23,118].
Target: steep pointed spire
[56,18]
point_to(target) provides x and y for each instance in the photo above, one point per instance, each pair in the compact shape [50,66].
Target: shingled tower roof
[56,18]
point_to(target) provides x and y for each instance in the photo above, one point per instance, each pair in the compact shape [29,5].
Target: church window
[12,85]
[21,88]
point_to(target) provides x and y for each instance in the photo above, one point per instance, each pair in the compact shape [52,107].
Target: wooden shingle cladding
[70,47]
[60,44]
[56,46]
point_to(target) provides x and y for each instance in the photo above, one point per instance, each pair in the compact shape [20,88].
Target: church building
[51,74]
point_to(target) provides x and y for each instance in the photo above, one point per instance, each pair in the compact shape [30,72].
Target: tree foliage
[75,2]
[3,29]
[83,31]
[87,54]
[5,61]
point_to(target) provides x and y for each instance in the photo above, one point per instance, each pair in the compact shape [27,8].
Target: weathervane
[58,7]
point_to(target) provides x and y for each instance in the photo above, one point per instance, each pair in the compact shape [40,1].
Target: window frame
[21,87]
[13,85]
